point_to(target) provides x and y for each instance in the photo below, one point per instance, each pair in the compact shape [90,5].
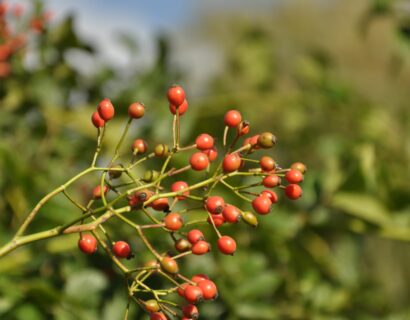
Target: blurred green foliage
[331,80]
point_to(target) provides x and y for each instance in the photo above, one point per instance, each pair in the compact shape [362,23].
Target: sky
[100,21]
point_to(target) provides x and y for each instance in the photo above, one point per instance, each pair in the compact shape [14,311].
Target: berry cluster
[14,28]
[160,199]
[149,196]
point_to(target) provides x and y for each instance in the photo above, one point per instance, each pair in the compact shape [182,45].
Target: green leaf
[361,206]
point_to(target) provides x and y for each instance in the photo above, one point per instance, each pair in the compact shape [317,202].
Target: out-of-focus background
[330,78]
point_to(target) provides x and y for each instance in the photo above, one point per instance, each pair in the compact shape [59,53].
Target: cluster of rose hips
[147,195]
[13,32]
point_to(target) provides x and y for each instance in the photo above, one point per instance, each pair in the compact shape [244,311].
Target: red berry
[262,204]
[231,162]
[231,214]
[270,194]
[176,95]
[232,118]
[204,141]
[179,186]
[215,204]
[294,176]
[97,121]
[201,247]
[254,141]
[211,153]
[193,294]
[181,109]
[160,204]
[97,191]
[87,244]
[195,235]
[136,110]
[157,316]
[169,265]
[181,289]
[173,221]
[190,311]
[299,166]
[209,290]
[199,277]
[106,109]
[139,146]
[267,163]
[121,249]
[199,161]
[226,245]
[271,181]
[293,191]
[139,197]
[218,219]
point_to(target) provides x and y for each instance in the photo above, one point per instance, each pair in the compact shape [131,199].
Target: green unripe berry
[250,218]
[266,140]
[150,175]
[161,150]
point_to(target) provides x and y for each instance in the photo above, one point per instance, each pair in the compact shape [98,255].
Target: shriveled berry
[293,191]
[204,141]
[201,247]
[199,161]
[193,294]
[115,171]
[215,204]
[179,186]
[232,118]
[262,204]
[270,194]
[231,214]
[139,146]
[294,176]
[136,110]
[266,140]
[190,311]
[97,121]
[195,235]
[121,249]
[106,109]
[176,95]
[87,244]
[271,181]
[243,128]
[169,265]
[267,163]
[173,221]
[254,141]
[181,109]
[209,290]
[226,245]
[231,162]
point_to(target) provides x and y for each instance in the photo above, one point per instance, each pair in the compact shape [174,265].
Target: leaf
[84,287]
[361,206]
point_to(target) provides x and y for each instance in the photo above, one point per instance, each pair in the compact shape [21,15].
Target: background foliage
[330,80]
